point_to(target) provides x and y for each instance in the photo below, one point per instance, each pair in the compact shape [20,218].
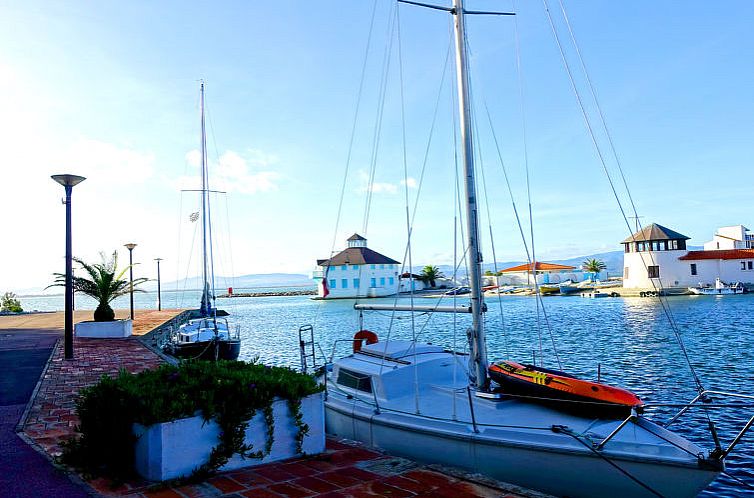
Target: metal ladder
[306,348]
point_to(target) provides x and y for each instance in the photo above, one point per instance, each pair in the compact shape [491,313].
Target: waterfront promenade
[31,347]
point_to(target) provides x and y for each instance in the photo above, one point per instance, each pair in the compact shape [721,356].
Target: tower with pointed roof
[357,271]
[650,258]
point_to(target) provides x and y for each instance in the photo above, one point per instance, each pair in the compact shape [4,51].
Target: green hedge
[230,392]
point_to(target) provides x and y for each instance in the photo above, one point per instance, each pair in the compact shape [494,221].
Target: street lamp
[68,181]
[159,300]
[130,248]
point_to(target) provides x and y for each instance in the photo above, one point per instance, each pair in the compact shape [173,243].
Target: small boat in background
[569,287]
[547,289]
[720,289]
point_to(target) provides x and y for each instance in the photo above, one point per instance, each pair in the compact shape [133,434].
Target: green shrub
[230,392]
[10,303]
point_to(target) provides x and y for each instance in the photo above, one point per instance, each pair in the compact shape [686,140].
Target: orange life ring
[362,335]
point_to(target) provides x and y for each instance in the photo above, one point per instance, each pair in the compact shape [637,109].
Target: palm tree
[430,274]
[104,284]
[593,266]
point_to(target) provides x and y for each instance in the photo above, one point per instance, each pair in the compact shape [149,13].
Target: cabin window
[332,283]
[356,283]
[693,268]
[625,272]
[355,380]
[344,283]
[653,271]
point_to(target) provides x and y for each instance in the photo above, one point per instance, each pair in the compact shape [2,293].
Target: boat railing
[702,400]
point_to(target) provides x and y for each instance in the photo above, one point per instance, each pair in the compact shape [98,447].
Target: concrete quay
[41,417]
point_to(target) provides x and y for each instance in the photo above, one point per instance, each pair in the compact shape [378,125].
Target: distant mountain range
[613,260]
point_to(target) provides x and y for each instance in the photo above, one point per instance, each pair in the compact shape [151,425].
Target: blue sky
[108,90]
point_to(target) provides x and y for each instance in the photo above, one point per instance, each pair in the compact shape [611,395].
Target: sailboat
[434,405]
[206,335]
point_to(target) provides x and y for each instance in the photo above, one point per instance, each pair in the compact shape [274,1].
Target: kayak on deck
[563,390]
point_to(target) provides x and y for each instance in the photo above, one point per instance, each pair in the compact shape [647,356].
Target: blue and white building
[357,271]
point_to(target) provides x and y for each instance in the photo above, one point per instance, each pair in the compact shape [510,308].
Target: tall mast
[477,343]
[205,307]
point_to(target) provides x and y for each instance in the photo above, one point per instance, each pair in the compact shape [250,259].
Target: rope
[600,155]
[569,432]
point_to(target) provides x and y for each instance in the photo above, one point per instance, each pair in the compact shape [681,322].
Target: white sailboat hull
[557,471]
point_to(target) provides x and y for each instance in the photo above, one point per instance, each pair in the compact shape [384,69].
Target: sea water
[628,340]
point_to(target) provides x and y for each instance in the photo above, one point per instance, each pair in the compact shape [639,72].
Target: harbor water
[628,340]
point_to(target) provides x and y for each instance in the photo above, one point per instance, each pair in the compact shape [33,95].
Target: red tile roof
[719,254]
[539,267]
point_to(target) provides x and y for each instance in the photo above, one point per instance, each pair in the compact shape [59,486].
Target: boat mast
[205,306]
[477,343]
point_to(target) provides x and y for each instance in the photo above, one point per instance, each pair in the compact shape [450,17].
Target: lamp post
[130,248]
[159,300]
[68,181]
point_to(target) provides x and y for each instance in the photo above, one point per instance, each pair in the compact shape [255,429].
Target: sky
[109,91]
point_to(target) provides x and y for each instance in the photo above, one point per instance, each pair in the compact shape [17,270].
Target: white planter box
[101,330]
[175,449]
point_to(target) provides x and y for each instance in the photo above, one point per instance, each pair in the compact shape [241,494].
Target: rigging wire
[663,302]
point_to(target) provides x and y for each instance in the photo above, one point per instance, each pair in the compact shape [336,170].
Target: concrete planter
[101,330]
[175,449]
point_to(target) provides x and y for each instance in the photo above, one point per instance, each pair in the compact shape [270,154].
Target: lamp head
[130,246]
[68,180]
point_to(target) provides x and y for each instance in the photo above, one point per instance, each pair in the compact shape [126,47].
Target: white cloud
[232,172]
[410,182]
[94,158]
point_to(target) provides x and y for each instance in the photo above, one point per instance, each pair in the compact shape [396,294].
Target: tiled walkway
[345,470]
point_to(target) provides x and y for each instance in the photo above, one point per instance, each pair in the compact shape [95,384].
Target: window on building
[640,246]
[356,283]
[693,268]
[743,265]
[391,281]
[373,282]
[373,267]
[626,247]
[354,267]
[625,272]
[382,281]
[750,265]
[332,283]
[382,267]
[344,283]
[672,244]
[344,267]
[655,245]
[653,271]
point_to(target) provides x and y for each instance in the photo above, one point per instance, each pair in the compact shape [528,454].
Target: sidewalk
[346,469]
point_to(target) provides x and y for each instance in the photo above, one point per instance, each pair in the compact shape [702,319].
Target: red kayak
[563,390]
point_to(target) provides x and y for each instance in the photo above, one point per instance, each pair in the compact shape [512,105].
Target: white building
[734,237]
[657,255]
[357,271]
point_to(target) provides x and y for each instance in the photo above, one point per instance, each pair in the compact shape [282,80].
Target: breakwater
[271,293]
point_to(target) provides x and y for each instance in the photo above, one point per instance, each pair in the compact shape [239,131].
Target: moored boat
[720,289]
[206,335]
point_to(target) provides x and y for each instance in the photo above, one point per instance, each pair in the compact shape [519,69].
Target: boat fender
[361,336]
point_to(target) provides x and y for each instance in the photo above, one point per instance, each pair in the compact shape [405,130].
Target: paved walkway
[345,470]
[26,473]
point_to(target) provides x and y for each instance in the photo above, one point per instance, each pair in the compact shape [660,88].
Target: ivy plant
[228,392]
